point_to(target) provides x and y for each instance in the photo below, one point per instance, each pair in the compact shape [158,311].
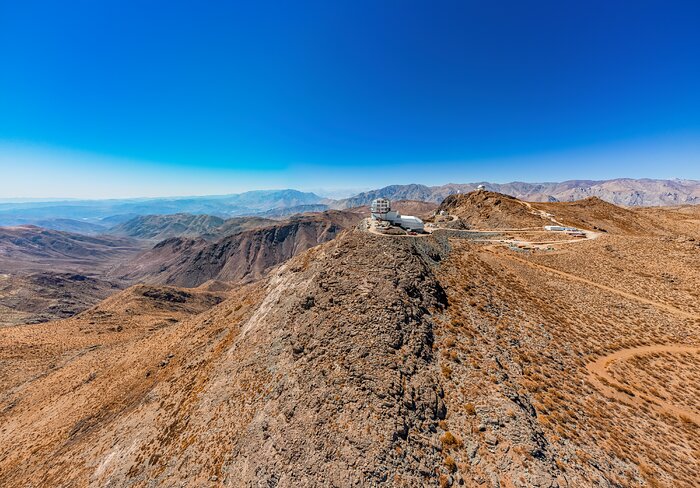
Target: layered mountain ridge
[161,227]
[624,191]
[242,257]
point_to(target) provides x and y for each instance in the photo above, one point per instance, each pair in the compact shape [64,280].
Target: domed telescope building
[381,210]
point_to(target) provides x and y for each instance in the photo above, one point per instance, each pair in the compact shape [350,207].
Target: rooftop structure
[381,211]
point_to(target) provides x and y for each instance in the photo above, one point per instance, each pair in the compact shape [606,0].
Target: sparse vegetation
[487,364]
[538,332]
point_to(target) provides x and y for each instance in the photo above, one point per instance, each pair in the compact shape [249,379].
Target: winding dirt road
[598,370]
[572,277]
[609,386]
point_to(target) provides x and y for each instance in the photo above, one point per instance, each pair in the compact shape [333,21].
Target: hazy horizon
[330,194]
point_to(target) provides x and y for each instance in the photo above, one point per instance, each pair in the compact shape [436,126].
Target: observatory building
[381,210]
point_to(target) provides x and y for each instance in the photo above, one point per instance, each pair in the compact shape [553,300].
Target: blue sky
[112,99]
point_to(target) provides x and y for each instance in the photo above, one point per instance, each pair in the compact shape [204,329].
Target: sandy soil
[613,388]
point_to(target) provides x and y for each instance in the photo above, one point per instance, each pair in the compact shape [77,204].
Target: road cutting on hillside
[601,378]
[573,277]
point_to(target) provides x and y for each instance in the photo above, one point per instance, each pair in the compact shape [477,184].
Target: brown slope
[517,351]
[491,210]
[683,220]
[59,355]
[376,361]
[48,274]
[321,378]
[242,257]
[40,297]
[595,214]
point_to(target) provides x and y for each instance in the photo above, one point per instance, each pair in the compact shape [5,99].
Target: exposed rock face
[324,377]
[624,191]
[245,256]
[359,400]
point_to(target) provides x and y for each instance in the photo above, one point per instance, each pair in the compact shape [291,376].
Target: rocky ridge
[241,257]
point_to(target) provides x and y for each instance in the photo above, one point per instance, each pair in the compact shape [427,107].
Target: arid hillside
[241,257]
[490,210]
[40,297]
[48,274]
[311,368]
[31,248]
[377,360]
[595,214]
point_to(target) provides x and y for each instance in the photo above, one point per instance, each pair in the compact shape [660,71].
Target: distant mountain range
[624,191]
[96,216]
[108,213]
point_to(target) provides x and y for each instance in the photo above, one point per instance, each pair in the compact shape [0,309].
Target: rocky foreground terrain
[376,360]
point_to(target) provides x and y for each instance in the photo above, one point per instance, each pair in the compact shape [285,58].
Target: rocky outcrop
[354,392]
[323,376]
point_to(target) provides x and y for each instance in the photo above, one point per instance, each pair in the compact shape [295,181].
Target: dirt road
[607,384]
[573,277]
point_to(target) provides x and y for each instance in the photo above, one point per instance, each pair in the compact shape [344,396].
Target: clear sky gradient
[133,98]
